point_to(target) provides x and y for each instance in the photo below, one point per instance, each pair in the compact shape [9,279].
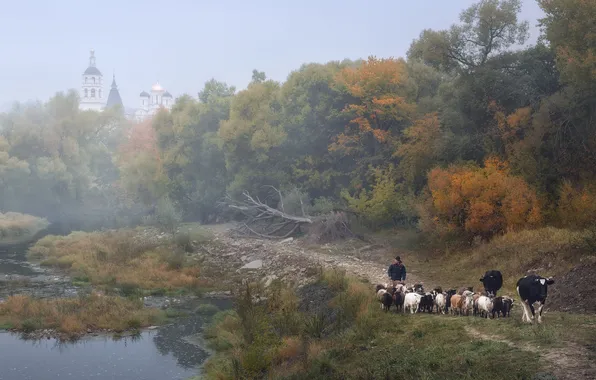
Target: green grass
[276,341]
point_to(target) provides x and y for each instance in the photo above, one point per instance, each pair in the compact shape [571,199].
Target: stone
[256,264]
[288,240]
[269,279]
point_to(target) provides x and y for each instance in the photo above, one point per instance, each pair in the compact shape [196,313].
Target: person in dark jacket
[397,271]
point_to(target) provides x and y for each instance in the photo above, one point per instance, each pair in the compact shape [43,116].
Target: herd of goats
[464,301]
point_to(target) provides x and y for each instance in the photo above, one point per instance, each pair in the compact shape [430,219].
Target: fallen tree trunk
[264,221]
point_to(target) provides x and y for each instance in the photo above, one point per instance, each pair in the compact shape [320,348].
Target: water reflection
[164,353]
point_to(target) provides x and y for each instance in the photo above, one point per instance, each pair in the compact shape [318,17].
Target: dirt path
[288,257]
[571,362]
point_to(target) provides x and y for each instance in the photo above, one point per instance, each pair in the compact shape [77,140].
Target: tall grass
[74,316]
[119,258]
[360,341]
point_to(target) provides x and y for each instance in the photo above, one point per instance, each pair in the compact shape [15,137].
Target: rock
[256,264]
[269,279]
[152,327]
[288,240]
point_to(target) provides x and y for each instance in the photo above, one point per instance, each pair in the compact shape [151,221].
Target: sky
[44,45]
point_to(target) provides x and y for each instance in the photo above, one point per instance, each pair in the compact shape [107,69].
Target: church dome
[144,94]
[156,87]
[92,70]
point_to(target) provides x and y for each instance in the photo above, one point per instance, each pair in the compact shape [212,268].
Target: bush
[471,201]
[386,204]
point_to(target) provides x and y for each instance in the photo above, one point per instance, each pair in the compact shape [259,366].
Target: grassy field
[121,258]
[352,338]
[76,316]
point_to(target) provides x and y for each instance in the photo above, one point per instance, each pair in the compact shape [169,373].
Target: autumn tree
[379,111]
[473,201]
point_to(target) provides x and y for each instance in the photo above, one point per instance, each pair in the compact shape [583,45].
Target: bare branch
[264,221]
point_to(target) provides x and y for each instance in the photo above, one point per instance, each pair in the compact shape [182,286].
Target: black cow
[532,289]
[493,281]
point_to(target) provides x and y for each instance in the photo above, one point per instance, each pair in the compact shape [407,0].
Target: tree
[142,173]
[312,117]
[487,28]
[56,161]
[193,161]
[251,139]
[569,27]
[258,76]
[379,109]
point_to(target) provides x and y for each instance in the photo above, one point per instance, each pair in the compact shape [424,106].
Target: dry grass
[74,316]
[118,258]
[548,251]
[15,227]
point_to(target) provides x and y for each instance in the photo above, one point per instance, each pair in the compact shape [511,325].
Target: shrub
[386,203]
[472,201]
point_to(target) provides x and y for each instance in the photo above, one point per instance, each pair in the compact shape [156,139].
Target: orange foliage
[577,205]
[481,201]
[378,87]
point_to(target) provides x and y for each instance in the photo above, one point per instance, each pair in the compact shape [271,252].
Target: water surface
[171,352]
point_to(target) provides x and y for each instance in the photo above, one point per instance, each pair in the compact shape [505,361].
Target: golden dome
[157,87]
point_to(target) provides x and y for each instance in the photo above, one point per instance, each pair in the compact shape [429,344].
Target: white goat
[411,301]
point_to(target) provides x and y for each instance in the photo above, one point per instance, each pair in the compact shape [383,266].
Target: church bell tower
[92,97]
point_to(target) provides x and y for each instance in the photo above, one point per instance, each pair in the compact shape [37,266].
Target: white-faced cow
[493,281]
[532,289]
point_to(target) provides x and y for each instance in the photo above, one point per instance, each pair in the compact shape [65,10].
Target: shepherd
[397,272]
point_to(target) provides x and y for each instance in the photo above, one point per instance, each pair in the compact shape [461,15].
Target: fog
[84,143]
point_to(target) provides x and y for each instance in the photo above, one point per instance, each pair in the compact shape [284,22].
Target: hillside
[290,267]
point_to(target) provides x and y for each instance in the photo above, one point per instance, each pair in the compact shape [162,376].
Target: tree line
[468,135]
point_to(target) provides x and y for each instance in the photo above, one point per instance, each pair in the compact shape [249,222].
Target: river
[173,351]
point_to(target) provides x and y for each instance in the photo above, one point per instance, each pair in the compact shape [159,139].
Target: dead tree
[265,221]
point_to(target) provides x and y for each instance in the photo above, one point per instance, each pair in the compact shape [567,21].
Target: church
[92,95]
